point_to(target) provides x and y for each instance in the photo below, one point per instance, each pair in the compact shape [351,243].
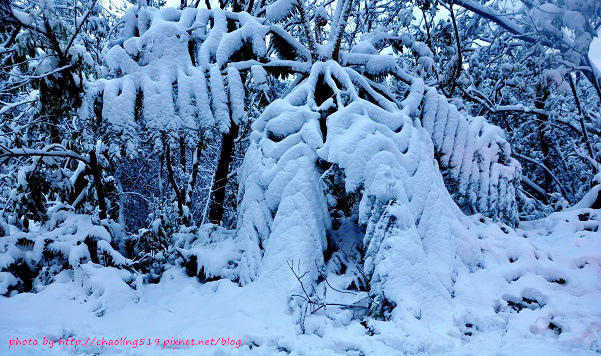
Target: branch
[541,165]
[14,105]
[459,57]
[318,304]
[6,152]
[78,28]
[307,29]
[341,27]
[285,65]
[559,43]
[504,108]
[54,42]
[592,73]
[501,20]
[307,297]
[585,137]
[47,74]
[96,173]
[534,186]
[178,193]
[138,195]
[586,158]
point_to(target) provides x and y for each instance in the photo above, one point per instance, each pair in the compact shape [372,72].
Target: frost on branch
[335,121]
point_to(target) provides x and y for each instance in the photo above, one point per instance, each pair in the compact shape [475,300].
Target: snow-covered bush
[207,253]
[30,260]
[40,184]
[152,248]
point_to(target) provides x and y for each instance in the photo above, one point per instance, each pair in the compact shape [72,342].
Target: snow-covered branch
[6,152]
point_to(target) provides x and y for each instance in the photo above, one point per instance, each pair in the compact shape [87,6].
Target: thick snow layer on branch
[250,33]
[168,74]
[236,94]
[281,10]
[474,153]
[219,100]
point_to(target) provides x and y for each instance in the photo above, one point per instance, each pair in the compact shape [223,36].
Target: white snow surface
[556,261]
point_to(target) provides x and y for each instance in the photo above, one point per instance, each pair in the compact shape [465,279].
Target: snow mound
[536,292]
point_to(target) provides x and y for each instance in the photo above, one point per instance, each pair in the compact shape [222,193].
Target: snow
[23,17]
[121,113]
[280,10]
[476,154]
[348,240]
[529,262]
[236,94]
[574,20]
[219,100]
[404,207]
[250,32]
[152,57]
[7,280]
[66,238]
[589,199]
[321,16]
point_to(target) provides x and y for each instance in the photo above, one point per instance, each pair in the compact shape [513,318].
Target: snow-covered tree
[50,49]
[175,79]
[366,133]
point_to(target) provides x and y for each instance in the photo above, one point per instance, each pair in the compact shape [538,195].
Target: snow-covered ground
[537,292]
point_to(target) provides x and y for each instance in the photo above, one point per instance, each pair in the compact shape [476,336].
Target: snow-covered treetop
[565,27]
[176,70]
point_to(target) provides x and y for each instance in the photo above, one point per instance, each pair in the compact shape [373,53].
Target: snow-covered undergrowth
[537,290]
[31,260]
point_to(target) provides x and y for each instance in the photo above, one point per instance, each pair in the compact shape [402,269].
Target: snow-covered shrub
[39,184]
[65,241]
[207,252]
[151,248]
[107,289]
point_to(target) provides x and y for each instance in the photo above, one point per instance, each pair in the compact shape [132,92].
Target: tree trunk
[98,184]
[217,198]
[178,194]
[218,190]
[544,145]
